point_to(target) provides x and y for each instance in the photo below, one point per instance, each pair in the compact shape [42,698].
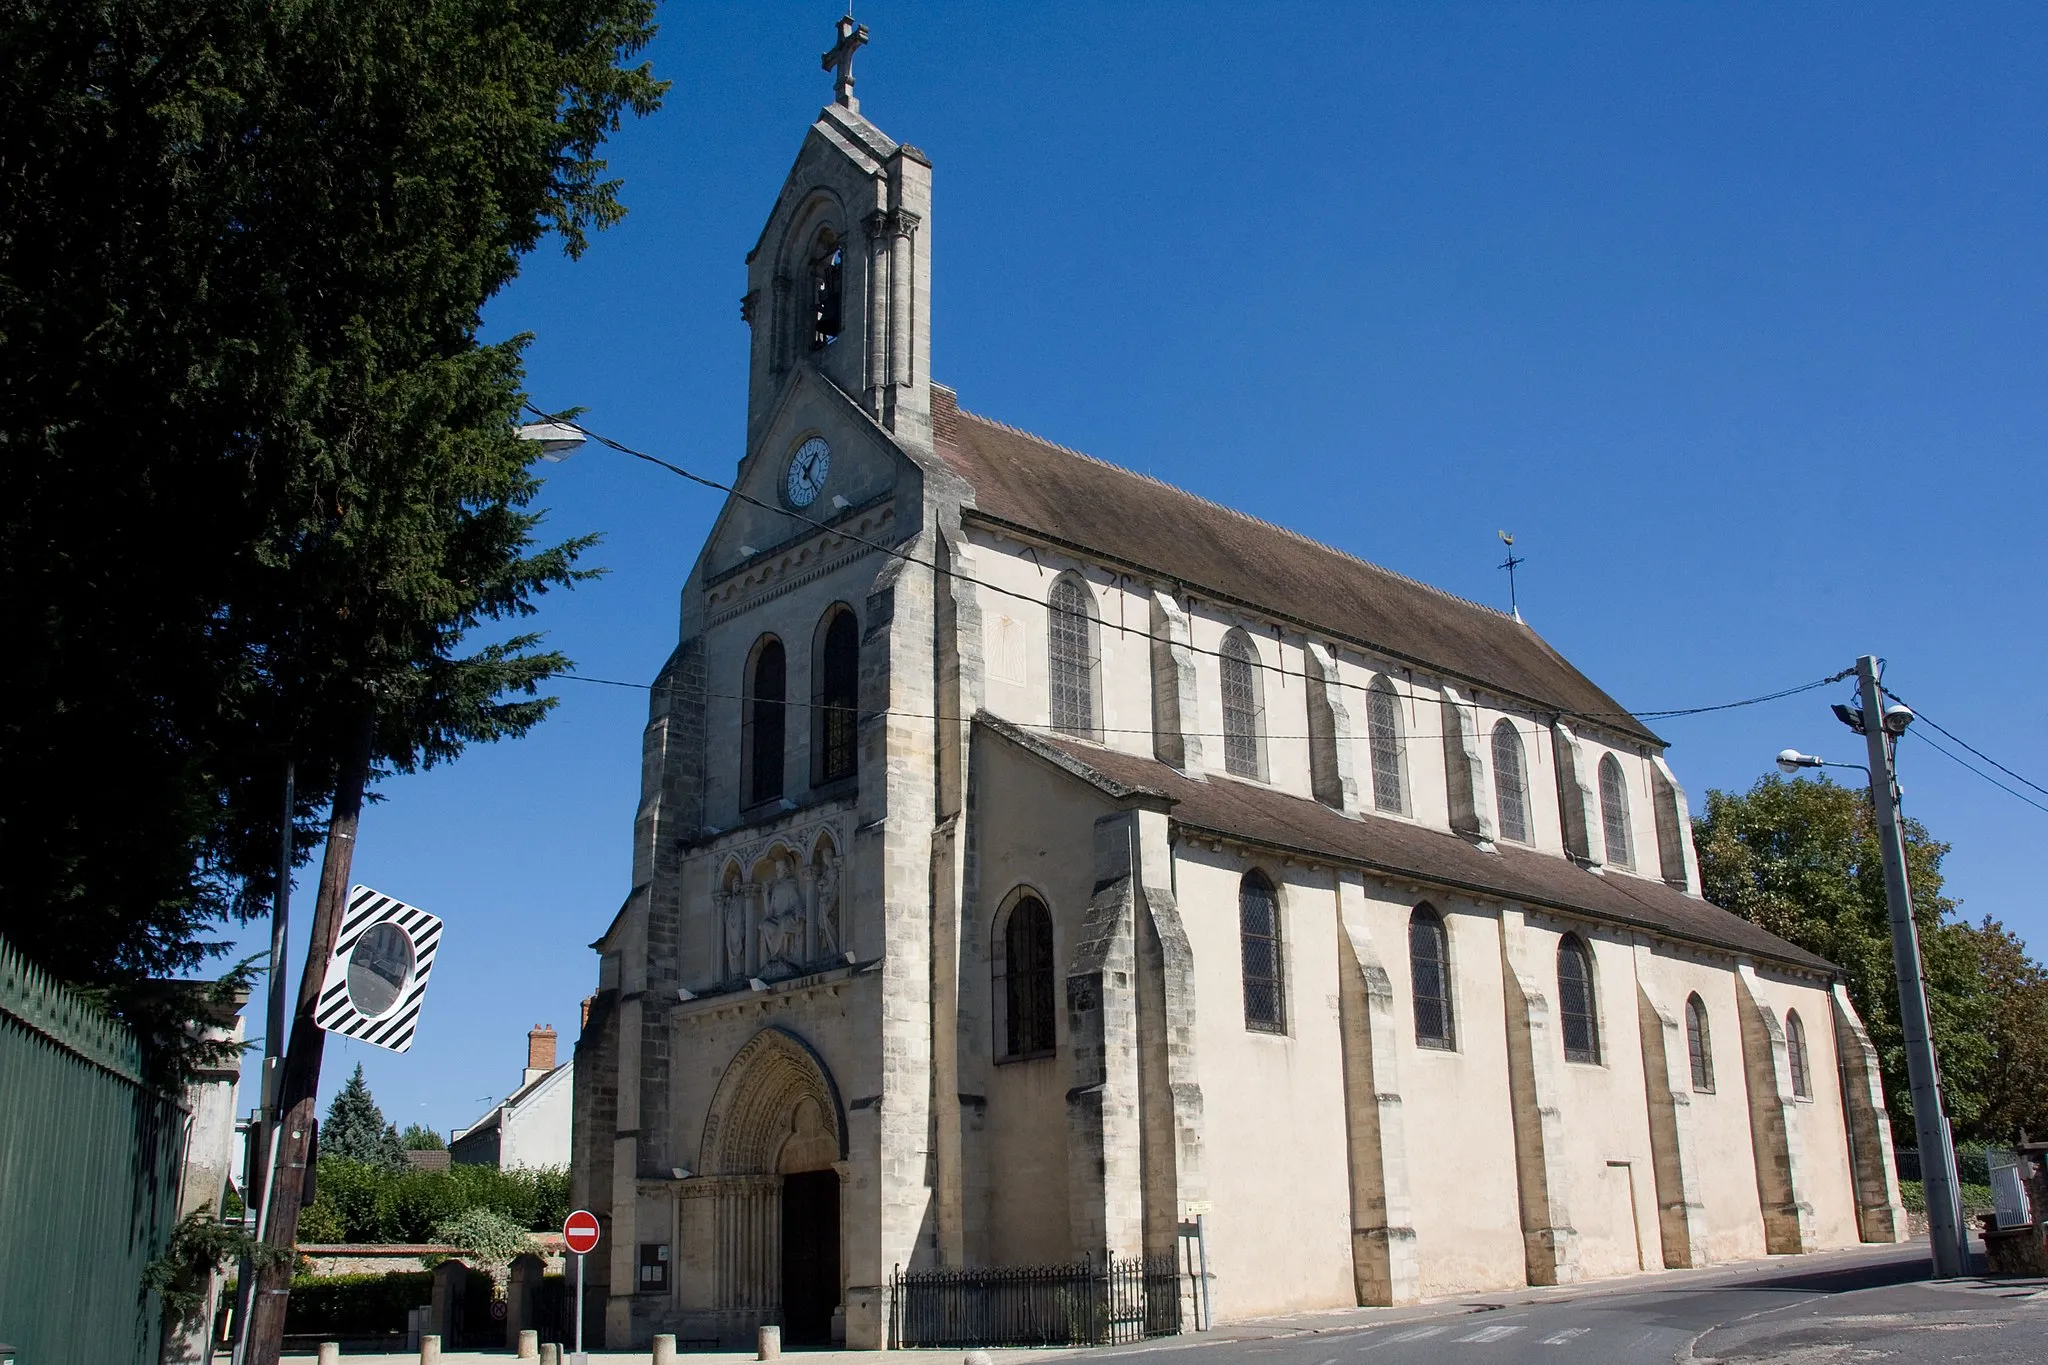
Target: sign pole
[580,1232]
[579,1305]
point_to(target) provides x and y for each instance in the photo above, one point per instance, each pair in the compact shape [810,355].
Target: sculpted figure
[828,909]
[732,917]
[782,929]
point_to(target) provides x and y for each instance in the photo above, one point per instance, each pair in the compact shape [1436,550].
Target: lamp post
[1945,1229]
[557,440]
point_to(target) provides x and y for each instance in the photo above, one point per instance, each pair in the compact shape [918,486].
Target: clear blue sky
[1735,315]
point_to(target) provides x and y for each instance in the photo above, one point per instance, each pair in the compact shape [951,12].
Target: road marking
[1566,1335]
[1417,1333]
[1493,1333]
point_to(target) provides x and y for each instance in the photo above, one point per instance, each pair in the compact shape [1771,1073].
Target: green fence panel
[89,1165]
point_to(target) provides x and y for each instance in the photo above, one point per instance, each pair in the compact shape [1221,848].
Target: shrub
[358,1202]
[356,1305]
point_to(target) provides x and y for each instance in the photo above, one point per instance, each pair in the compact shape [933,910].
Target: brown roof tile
[1262,815]
[1065,496]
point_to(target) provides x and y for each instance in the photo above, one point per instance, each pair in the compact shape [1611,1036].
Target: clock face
[807,470]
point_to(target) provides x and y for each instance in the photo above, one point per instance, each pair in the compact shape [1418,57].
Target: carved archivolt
[775,1112]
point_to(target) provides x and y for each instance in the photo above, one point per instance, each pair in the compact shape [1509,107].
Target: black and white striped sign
[378,974]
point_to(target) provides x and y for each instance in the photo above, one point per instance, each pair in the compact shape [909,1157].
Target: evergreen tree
[356,1130]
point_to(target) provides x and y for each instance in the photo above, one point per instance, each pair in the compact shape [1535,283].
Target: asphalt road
[1857,1306]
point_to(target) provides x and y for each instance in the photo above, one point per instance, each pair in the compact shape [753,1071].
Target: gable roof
[1024,482]
[1259,814]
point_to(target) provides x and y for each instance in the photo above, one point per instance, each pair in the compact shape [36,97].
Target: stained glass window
[1510,783]
[1258,920]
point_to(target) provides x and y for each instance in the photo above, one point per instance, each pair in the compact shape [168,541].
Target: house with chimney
[530,1127]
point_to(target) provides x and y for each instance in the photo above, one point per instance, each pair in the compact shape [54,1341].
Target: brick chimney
[540,1051]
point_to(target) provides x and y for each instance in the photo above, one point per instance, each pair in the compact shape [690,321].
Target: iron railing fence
[1124,1299]
[90,1159]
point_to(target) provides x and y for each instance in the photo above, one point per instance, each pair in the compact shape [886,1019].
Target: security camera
[1896,718]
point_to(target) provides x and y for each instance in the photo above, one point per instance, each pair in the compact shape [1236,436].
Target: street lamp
[557,440]
[1948,1236]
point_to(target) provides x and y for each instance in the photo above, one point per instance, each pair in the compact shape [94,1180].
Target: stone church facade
[1032,855]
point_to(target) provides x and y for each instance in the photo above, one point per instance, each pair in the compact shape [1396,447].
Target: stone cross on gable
[851,38]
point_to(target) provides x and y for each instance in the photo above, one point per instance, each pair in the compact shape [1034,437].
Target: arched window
[1575,1004]
[1070,655]
[1243,708]
[1027,981]
[1429,975]
[1510,783]
[1700,1043]
[1258,923]
[1383,726]
[1614,813]
[1795,1048]
[766,692]
[835,697]
[828,269]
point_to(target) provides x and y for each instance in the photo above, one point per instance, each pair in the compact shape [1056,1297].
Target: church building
[1033,857]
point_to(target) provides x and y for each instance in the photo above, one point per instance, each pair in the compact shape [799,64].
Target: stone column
[522,1278]
[1174,703]
[1385,1257]
[1329,734]
[1667,1086]
[1773,1122]
[877,310]
[1104,1150]
[1880,1216]
[1578,803]
[1170,1088]
[1471,797]
[1550,1242]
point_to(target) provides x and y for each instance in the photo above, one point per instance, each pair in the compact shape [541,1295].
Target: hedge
[357,1202]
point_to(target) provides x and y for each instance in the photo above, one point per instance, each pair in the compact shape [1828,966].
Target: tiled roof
[1065,496]
[1263,815]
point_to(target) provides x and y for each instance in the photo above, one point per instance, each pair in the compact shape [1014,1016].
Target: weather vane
[1507,538]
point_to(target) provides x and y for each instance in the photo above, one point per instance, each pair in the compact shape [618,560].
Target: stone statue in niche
[782,929]
[732,918]
[828,909]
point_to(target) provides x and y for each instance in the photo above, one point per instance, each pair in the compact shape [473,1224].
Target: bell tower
[840,280]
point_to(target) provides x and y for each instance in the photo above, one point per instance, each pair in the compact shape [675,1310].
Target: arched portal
[774,1145]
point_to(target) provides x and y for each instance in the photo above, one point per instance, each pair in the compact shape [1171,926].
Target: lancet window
[1575,1003]
[1510,783]
[1614,813]
[1795,1048]
[1027,985]
[1258,922]
[1243,708]
[835,697]
[828,271]
[1429,975]
[1071,657]
[1383,728]
[766,694]
[1699,1043]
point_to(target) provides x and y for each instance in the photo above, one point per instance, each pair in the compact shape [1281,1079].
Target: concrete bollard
[550,1353]
[529,1344]
[330,1353]
[768,1343]
[976,1358]
[665,1349]
[430,1349]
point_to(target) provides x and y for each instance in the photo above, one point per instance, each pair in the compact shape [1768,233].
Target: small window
[766,694]
[1243,707]
[835,714]
[1429,975]
[1614,813]
[1027,981]
[1383,727]
[1070,656]
[1795,1048]
[1700,1043]
[828,272]
[1510,783]
[1575,1003]
[1258,921]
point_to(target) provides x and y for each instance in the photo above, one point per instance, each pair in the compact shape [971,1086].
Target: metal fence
[89,1167]
[1122,1300]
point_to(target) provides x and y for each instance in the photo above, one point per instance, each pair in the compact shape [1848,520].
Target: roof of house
[1065,497]
[1256,813]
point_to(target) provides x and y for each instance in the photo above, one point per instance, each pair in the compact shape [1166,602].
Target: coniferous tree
[356,1129]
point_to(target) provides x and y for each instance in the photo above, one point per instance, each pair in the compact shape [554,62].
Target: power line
[1122,628]
[1971,767]
[1920,716]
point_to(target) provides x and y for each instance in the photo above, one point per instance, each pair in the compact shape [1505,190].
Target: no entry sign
[580,1232]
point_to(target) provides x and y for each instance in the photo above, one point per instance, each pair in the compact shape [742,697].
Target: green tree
[355,1129]
[1801,860]
[258,475]
[2016,1078]
[417,1137]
